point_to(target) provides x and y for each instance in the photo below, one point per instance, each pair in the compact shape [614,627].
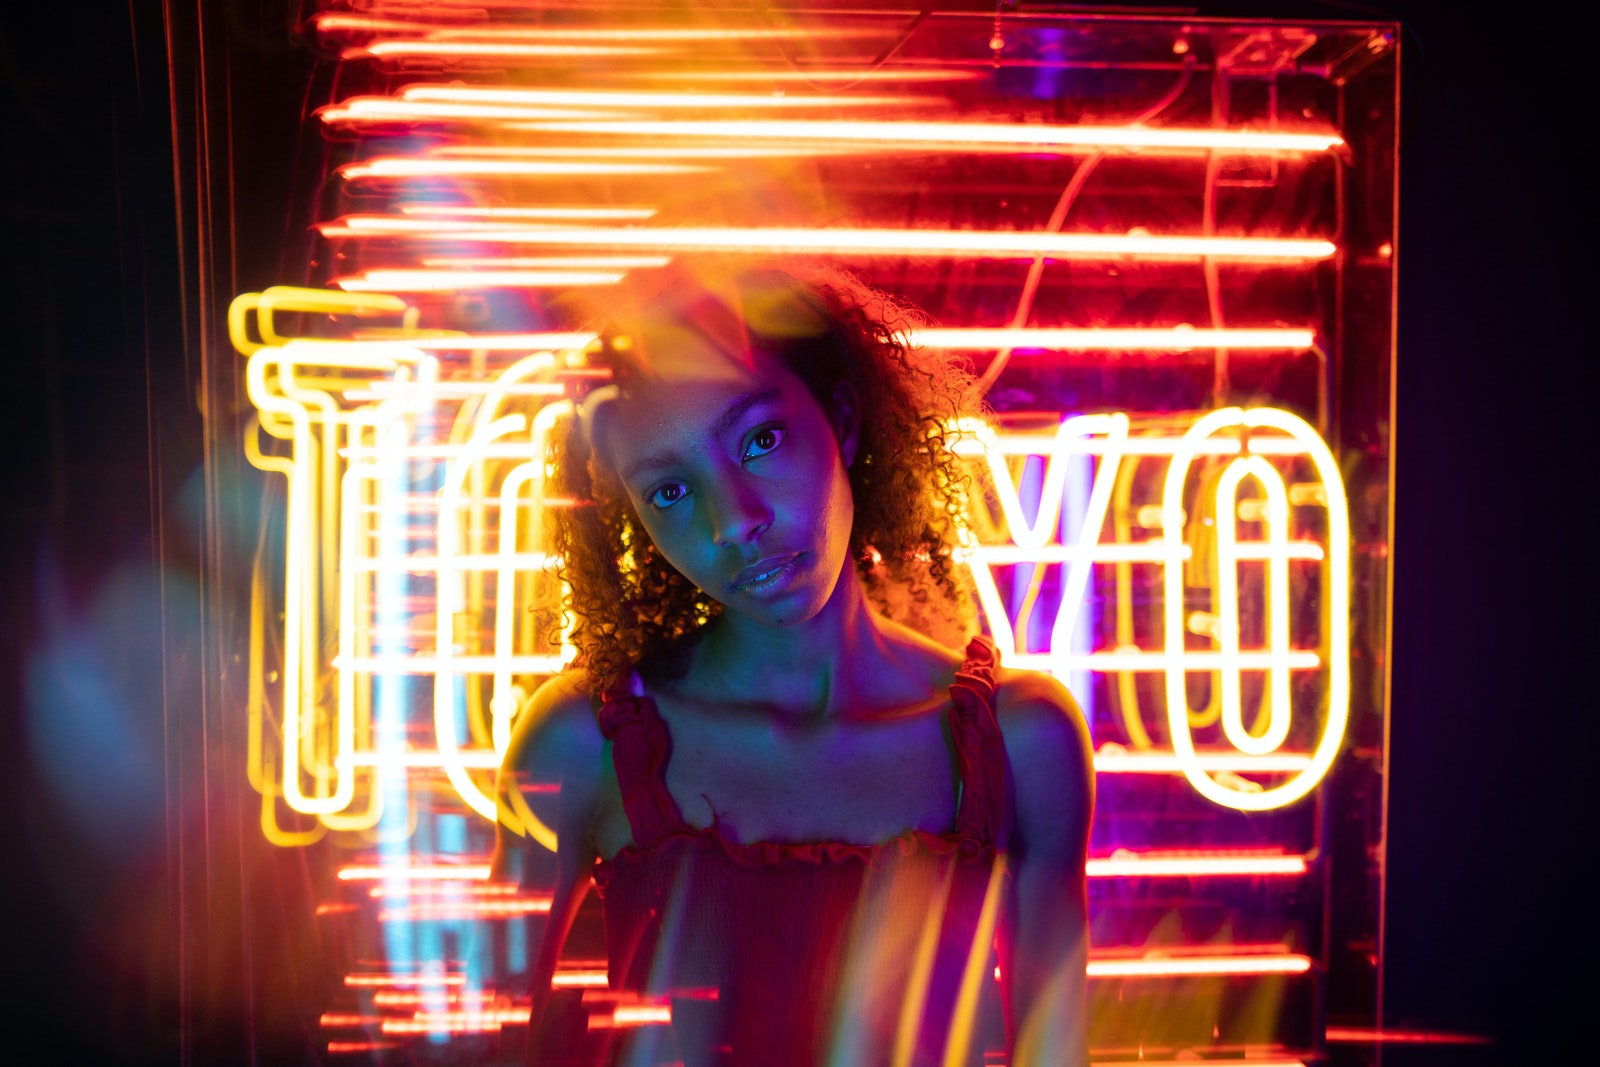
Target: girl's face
[740,478]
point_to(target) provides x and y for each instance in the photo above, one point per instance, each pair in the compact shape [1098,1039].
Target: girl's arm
[1044,937]
[555,742]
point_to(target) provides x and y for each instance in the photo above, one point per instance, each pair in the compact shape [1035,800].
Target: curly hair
[632,610]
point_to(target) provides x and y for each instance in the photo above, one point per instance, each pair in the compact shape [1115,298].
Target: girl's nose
[739,515]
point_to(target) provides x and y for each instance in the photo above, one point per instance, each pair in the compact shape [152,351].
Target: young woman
[809,819]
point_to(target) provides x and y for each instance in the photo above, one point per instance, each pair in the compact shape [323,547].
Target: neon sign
[1165,246]
[362,465]
[1260,444]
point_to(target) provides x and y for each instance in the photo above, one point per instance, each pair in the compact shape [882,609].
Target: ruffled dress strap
[980,751]
[639,750]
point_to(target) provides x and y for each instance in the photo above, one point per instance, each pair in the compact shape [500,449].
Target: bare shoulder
[1051,760]
[556,734]
[924,664]
[1038,709]
[554,741]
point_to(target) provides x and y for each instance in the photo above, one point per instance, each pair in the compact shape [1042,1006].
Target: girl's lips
[768,575]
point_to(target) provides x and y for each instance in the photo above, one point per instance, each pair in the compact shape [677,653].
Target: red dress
[797,955]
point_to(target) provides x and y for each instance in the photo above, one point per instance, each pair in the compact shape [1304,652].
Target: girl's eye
[668,495]
[764,440]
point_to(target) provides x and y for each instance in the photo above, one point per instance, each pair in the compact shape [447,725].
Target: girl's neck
[813,668]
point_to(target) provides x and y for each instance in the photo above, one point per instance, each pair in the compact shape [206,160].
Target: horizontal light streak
[1199,966]
[1228,761]
[403,664]
[1162,661]
[691,33]
[1019,135]
[593,979]
[495,49]
[465,561]
[1253,1061]
[628,1015]
[394,504]
[345,23]
[339,1020]
[334,23]
[1133,865]
[448,391]
[435,281]
[843,74]
[391,999]
[1136,552]
[513,1016]
[391,225]
[452,889]
[623,1014]
[1369,1035]
[334,908]
[485,342]
[1178,338]
[455,1022]
[361,1046]
[472,759]
[716,151]
[547,262]
[1174,339]
[411,1026]
[995,243]
[464,910]
[613,98]
[1104,762]
[1017,444]
[550,211]
[434,452]
[385,109]
[1011,554]
[395,872]
[378,981]
[412,167]
[512,451]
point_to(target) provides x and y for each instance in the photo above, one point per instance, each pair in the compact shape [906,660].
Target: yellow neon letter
[1336,630]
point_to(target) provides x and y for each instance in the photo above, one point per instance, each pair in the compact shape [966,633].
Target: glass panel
[1167,247]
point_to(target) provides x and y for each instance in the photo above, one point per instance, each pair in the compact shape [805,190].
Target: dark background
[1488,924]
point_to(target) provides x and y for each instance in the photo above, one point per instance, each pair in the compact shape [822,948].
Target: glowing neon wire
[1336,611]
